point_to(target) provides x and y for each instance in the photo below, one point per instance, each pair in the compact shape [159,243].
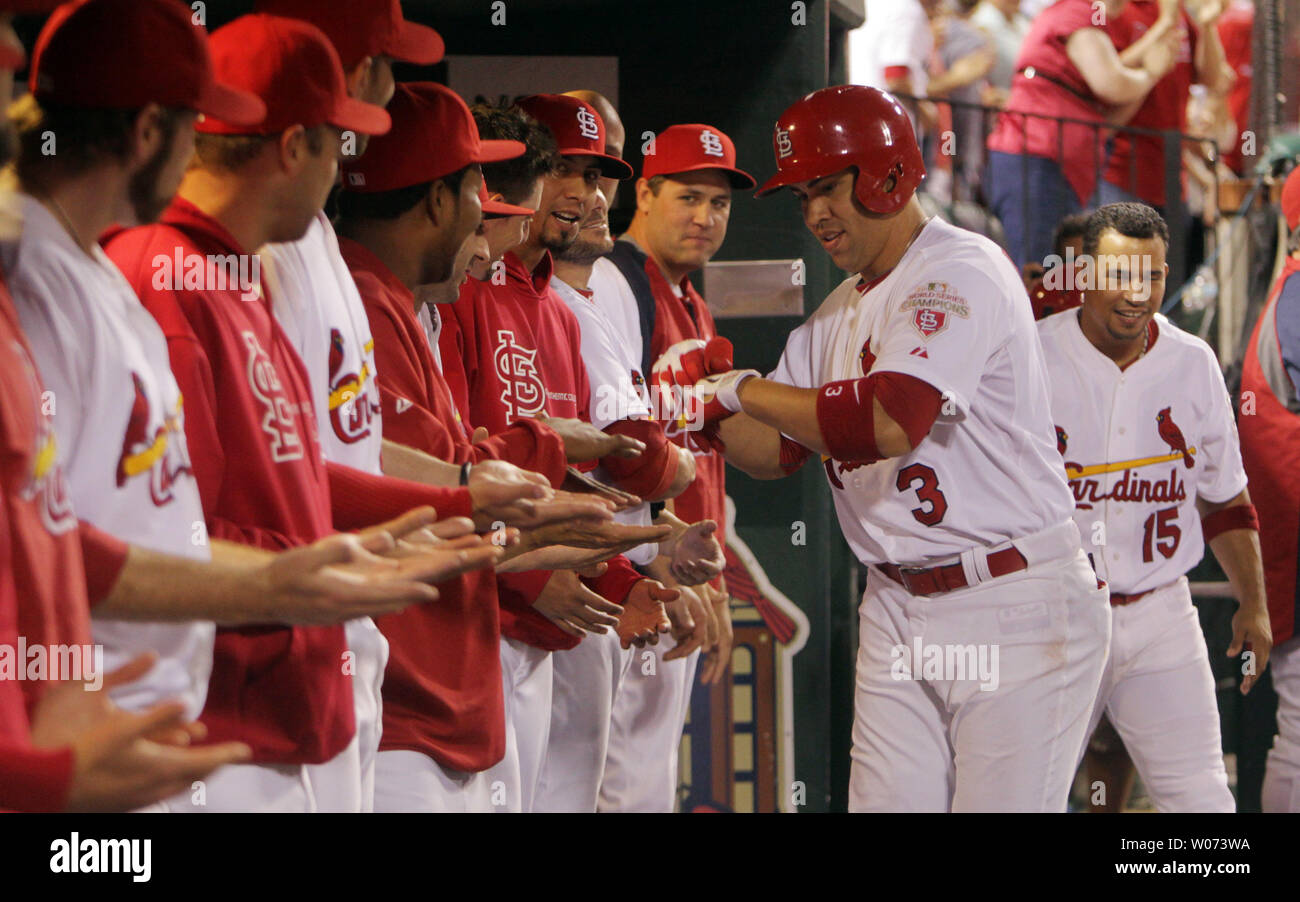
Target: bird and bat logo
[1088,490]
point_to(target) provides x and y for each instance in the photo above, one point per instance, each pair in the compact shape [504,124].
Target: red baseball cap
[578,129]
[362,29]
[294,69]
[124,54]
[499,207]
[1291,198]
[686,148]
[434,134]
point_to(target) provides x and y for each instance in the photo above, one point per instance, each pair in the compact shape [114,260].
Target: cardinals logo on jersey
[352,404]
[1173,436]
[278,414]
[45,485]
[522,394]
[866,358]
[1061,441]
[161,454]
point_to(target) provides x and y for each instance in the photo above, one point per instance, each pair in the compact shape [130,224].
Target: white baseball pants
[1000,737]
[526,676]
[267,788]
[1281,792]
[1158,690]
[646,732]
[412,782]
[587,680]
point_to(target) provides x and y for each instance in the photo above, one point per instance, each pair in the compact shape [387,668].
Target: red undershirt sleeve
[359,500]
[103,556]
[34,779]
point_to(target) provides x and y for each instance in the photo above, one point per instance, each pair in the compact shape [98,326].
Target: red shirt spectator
[1137,161]
[1048,84]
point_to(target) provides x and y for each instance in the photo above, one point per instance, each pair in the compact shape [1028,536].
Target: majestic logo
[712,143]
[1173,436]
[45,483]
[278,416]
[784,147]
[352,401]
[588,125]
[516,365]
[163,454]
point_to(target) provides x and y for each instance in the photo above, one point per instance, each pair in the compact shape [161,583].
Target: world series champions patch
[932,304]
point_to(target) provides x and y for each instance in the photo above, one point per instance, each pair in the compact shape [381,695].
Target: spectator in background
[1139,164]
[967,55]
[1040,170]
[1235,28]
[1002,21]
[1270,447]
[891,51]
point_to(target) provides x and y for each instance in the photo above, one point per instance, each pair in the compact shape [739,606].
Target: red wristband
[1239,516]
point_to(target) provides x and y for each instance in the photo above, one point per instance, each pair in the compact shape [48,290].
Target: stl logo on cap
[587,124]
[712,143]
[783,146]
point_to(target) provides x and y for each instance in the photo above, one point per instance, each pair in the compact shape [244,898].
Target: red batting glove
[684,364]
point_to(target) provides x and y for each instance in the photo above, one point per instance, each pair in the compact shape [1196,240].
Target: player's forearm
[161,587]
[752,447]
[794,411]
[1236,550]
[1238,553]
[405,462]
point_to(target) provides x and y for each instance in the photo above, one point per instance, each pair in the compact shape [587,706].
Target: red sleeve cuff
[529,444]
[520,590]
[103,557]
[1239,516]
[358,499]
[616,581]
[793,455]
[649,475]
[35,779]
[893,72]
[912,403]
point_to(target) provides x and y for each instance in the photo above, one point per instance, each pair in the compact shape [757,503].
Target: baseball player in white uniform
[317,304]
[589,678]
[921,384]
[1146,427]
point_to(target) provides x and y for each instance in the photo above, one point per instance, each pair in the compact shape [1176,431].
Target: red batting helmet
[849,125]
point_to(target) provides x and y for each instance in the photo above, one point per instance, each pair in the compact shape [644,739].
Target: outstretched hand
[122,759]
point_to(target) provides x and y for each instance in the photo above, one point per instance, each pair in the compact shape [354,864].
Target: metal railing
[1175,209]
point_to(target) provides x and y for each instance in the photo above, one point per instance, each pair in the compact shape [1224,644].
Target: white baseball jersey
[953,314]
[1140,447]
[317,304]
[119,419]
[618,389]
[615,299]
